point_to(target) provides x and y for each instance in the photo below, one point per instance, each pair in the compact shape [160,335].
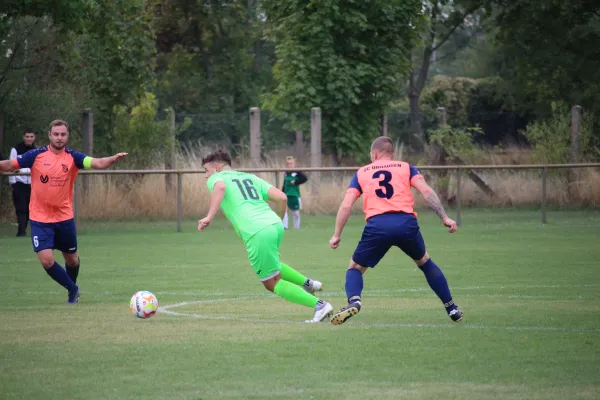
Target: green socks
[291,275]
[290,287]
[294,293]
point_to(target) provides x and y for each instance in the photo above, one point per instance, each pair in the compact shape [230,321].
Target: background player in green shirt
[242,197]
[291,187]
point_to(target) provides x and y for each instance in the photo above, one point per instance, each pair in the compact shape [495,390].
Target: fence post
[299,144]
[384,125]
[458,197]
[315,147]
[438,156]
[88,141]
[443,115]
[255,136]
[179,196]
[277,179]
[573,174]
[544,175]
[170,155]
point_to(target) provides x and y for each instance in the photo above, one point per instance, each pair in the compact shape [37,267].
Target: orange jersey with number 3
[385,186]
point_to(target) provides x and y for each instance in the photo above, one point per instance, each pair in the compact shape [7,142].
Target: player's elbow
[276,195]
[345,207]
[7,166]
[219,187]
[281,197]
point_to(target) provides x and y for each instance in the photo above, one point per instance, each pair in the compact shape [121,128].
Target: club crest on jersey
[44,179]
[64,168]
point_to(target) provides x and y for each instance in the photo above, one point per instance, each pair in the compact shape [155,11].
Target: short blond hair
[288,158]
[58,122]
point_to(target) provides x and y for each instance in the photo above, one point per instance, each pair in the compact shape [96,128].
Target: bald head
[382,148]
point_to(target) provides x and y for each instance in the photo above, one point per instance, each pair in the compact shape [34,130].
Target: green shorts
[263,251]
[293,203]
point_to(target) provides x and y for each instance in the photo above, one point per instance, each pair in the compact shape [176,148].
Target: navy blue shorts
[54,235]
[386,230]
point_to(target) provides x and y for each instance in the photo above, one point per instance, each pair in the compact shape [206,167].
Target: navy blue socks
[354,285]
[73,272]
[437,281]
[58,273]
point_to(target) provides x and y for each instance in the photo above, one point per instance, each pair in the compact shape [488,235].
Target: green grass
[531,296]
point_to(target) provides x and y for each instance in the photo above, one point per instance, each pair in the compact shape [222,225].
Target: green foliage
[138,132]
[213,62]
[458,142]
[112,57]
[546,58]
[68,14]
[551,137]
[93,54]
[451,93]
[346,57]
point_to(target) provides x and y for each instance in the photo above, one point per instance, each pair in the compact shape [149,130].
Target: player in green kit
[242,197]
[291,187]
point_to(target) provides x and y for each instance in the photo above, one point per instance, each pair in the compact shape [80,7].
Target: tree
[347,57]
[553,46]
[29,30]
[445,20]
[112,55]
[213,61]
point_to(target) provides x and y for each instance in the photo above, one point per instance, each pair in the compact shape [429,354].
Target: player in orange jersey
[53,172]
[385,186]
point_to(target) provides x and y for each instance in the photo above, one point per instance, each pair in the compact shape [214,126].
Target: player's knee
[422,260]
[354,265]
[47,261]
[270,284]
[72,260]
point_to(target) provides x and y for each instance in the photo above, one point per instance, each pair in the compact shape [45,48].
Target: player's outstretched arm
[433,201]
[342,217]
[277,196]
[106,162]
[216,198]
[7,166]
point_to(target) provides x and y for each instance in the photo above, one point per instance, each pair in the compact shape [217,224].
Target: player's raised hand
[334,242]
[118,156]
[451,224]
[203,223]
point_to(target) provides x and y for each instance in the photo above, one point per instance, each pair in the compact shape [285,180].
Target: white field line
[367,292]
[167,310]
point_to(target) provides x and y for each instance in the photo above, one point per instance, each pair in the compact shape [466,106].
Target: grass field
[530,293]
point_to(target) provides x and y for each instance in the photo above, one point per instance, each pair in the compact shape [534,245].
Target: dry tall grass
[143,197]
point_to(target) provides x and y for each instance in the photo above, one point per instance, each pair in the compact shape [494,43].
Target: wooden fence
[458,170]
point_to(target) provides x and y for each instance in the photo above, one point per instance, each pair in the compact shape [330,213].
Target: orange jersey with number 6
[385,186]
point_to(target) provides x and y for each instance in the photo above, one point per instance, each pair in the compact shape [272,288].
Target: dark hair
[28,130]
[217,156]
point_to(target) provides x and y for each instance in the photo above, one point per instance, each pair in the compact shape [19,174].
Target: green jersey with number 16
[244,203]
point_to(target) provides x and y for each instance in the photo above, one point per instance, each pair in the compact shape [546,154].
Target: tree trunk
[438,157]
[415,118]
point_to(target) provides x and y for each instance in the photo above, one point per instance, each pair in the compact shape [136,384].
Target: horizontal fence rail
[323,169]
[457,168]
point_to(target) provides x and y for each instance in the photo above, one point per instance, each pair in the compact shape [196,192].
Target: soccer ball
[143,304]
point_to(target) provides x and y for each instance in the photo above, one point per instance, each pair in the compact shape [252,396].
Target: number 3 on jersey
[387,190]
[247,189]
